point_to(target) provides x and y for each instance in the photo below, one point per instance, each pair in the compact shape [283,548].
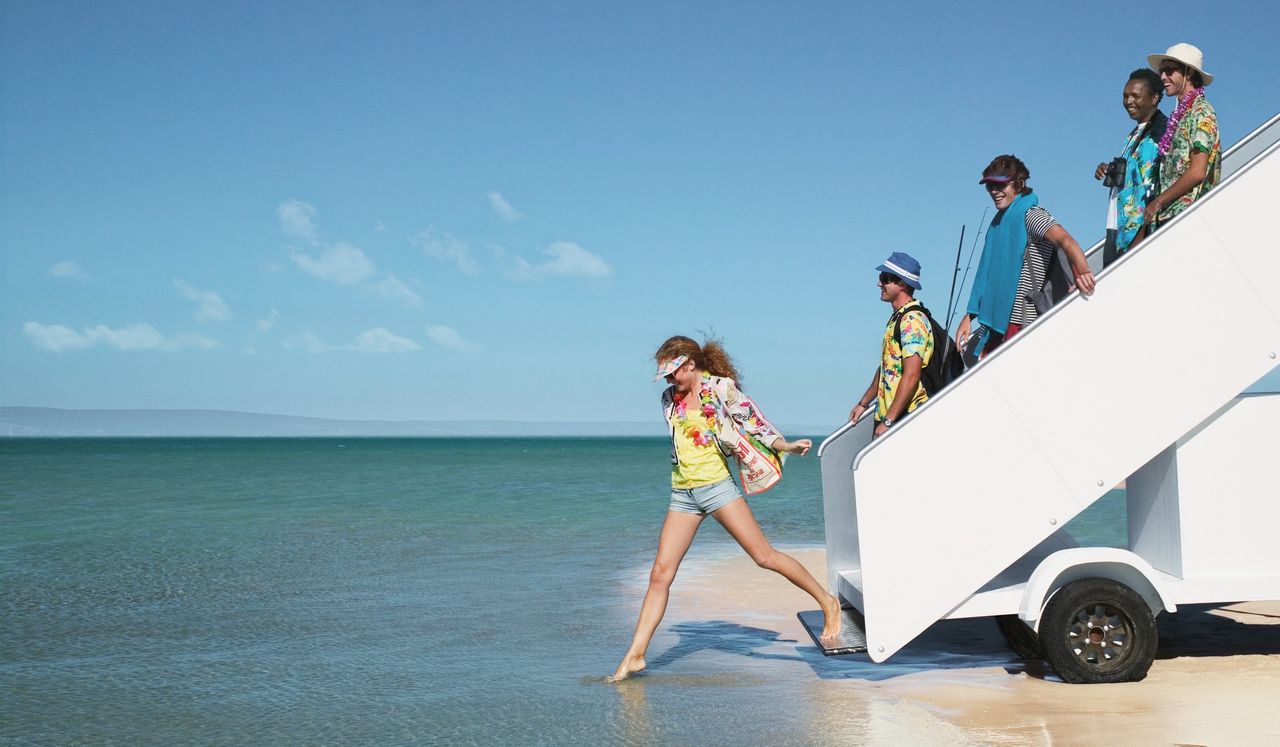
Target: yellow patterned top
[698,459]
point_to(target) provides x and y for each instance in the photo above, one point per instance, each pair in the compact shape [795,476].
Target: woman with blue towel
[1009,288]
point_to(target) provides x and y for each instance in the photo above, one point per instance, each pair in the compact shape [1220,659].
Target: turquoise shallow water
[382,591]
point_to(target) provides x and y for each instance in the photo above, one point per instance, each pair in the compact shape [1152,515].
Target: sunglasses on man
[887,278]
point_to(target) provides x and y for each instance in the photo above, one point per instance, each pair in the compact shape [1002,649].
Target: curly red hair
[709,356]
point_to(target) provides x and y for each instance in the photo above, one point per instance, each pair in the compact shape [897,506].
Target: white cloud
[448,337]
[443,246]
[295,219]
[391,287]
[503,209]
[569,259]
[68,269]
[341,263]
[211,306]
[375,340]
[307,341]
[566,259]
[381,340]
[518,267]
[58,338]
[55,337]
[267,322]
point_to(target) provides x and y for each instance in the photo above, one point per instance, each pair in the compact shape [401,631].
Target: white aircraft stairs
[921,520]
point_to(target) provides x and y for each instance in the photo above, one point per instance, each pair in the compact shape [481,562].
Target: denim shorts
[706,499]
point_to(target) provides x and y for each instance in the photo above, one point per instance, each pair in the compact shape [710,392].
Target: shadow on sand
[969,644]
[950,644]
[1196,631]
[726,637]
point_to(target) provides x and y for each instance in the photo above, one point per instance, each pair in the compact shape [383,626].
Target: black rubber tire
[1021,639]
[1097,630]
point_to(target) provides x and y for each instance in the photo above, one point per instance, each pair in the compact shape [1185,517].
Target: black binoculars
[1115,173]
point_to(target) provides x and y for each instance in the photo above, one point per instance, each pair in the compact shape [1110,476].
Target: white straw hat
[1187,54]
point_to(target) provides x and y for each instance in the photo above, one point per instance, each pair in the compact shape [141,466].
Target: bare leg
[737,519]
[677,534]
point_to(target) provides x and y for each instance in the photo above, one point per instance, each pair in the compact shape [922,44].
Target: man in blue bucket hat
[908,345]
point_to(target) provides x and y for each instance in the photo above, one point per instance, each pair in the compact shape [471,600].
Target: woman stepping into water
[708,415]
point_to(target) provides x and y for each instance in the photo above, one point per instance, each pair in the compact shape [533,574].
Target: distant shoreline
[325,437]
[51,422]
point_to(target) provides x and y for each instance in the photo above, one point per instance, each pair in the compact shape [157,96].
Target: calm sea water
[383,591]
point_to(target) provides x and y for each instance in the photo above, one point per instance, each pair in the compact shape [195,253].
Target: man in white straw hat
[1190,151]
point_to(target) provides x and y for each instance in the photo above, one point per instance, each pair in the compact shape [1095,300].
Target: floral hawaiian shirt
[1198,130]
[917,339]
[1139,173]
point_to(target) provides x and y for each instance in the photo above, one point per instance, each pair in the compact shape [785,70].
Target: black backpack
[946,364]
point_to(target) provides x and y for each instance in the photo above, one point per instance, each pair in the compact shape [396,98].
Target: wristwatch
[887,422]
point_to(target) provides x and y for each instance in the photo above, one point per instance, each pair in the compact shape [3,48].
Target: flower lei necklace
[1184,104]
[707,399]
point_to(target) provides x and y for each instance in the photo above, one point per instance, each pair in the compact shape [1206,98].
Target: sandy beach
[1216,678]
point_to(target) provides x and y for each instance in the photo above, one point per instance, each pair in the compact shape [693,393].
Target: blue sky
[499,210]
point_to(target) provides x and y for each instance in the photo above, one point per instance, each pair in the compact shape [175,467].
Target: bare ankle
[631,663]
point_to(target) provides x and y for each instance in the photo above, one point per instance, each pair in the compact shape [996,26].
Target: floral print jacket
[724,406]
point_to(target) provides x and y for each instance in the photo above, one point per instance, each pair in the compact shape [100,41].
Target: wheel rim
[1100,636]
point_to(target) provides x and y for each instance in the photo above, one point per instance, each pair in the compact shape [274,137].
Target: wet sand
[1216,678]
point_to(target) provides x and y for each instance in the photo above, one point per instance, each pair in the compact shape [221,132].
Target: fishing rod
[951,295]
[981,230]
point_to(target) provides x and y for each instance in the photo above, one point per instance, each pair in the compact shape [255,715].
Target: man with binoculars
[1131,176]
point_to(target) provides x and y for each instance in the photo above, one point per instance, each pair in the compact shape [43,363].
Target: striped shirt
[1039,254]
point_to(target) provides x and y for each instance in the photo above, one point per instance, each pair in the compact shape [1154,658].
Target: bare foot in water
[630,666]
[830,618]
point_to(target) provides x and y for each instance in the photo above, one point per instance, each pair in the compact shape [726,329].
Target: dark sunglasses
[1169,70]
[886,278]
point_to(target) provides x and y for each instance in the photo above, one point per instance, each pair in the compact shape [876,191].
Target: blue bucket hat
[904,266]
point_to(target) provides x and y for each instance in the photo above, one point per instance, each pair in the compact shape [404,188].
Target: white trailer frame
[958,511]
